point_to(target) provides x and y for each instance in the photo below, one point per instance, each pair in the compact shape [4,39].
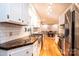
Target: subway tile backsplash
[9,32]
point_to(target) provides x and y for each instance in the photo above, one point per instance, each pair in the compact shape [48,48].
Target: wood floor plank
[50,48]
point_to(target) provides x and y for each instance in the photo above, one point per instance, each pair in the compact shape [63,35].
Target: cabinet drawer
[26,52]
[23,51]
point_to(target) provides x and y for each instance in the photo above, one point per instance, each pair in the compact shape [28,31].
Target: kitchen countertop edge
[2,48]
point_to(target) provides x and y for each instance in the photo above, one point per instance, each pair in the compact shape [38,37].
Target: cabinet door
[15,11]
[35,48]
[25,15]
[4,11]
[24,51]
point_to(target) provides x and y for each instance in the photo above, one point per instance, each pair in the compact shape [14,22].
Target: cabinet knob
[27,52]
[9,54]
[19,19]
[22,20]
[8,16]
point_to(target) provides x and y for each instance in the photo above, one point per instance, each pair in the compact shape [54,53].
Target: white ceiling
[57,10]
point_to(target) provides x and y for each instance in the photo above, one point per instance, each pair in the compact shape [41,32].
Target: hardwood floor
[49,48]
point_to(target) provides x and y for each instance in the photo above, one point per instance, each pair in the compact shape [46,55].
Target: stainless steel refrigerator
[72,31]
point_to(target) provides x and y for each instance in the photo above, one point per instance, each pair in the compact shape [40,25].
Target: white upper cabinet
[25,15]
[14,13]
[4,11]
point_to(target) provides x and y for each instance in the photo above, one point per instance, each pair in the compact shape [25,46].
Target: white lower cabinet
[29,50]
[22,51]
[36,49]
[25,52]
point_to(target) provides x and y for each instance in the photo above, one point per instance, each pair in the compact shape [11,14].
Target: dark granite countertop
[17,43]
[24,41]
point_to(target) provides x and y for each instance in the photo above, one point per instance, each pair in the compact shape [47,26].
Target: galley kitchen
[39,29]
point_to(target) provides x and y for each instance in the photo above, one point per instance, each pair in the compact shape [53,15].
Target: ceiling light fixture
[49,10]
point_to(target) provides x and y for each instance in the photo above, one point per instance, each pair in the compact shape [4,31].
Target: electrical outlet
[10,34]
[25,29]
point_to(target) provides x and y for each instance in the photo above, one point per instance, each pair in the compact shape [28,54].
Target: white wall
[49,27]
